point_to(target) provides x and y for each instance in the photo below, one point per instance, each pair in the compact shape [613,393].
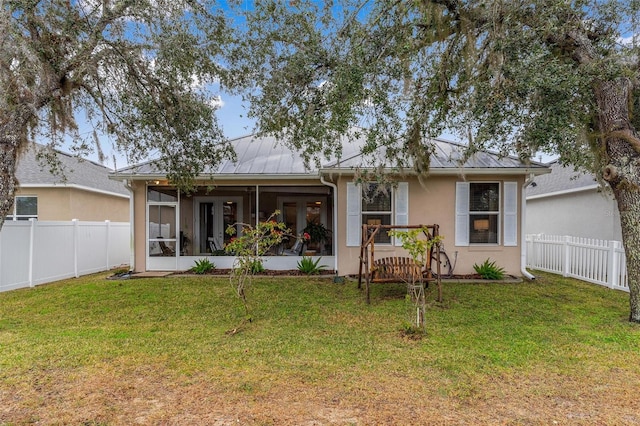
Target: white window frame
[399,211]
[496,213]
[384,213]
[14,216]
[507,226]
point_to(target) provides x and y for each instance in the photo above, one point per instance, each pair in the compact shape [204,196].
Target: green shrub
[307,266]
[256,266]
[203,266]
[489,270]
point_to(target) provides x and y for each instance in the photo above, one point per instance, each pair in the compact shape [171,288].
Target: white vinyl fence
[37,252]
[596,261]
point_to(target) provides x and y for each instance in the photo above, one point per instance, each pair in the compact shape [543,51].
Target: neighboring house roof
[267,157]
[561,180]
[77,172]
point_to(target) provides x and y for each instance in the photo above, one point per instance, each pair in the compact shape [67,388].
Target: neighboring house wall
[589,213]
[64,203]
[80,189]
[567,202]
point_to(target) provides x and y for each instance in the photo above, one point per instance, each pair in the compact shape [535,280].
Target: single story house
[85,192]
[566,202]
[478,206]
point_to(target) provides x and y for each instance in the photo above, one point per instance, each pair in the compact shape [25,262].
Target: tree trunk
[621,151]
[8,156]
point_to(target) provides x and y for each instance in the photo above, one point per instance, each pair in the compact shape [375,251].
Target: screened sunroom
[183,228]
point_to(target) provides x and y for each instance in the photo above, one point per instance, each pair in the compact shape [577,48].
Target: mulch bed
[463,277]
[297,273]
[266,273]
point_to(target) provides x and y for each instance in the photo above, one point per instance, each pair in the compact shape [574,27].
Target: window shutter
[402,207]
[462,214]
[510,213]
[354,225]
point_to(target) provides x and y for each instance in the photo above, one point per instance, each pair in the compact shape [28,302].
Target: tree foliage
[500,74]
[141,71]
[558,76]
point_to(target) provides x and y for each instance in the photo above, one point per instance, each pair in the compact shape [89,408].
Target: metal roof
[447,155]
[78,172]
[269,158]
[263,156]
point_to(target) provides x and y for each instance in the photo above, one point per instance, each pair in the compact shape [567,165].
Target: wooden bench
[395,269]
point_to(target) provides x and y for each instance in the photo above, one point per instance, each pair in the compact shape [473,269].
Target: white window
[376,208]
[484,212]
[373,204]
[24,208]
[481,208]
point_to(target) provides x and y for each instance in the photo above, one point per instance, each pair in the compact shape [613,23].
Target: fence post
[613,269]
[108,240]
[32,237]
[566,255]
[75,247]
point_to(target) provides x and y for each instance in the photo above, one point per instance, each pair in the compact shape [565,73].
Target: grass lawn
[93,351]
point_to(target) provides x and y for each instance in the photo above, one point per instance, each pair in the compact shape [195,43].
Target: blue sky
[233,117]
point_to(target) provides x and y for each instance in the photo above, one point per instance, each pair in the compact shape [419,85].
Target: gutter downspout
[132,247]
[523,222]
[334,243]
[257,215]
[257,201]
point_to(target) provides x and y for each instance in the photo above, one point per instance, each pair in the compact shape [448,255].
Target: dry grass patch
[154,397]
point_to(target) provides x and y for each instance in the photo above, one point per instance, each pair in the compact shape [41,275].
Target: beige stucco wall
[433,203]
[72,203]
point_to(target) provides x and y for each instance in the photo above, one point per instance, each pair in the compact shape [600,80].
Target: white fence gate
[597,261]
[37,252]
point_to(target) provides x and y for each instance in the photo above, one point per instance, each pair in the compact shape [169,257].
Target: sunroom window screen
[162,194]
